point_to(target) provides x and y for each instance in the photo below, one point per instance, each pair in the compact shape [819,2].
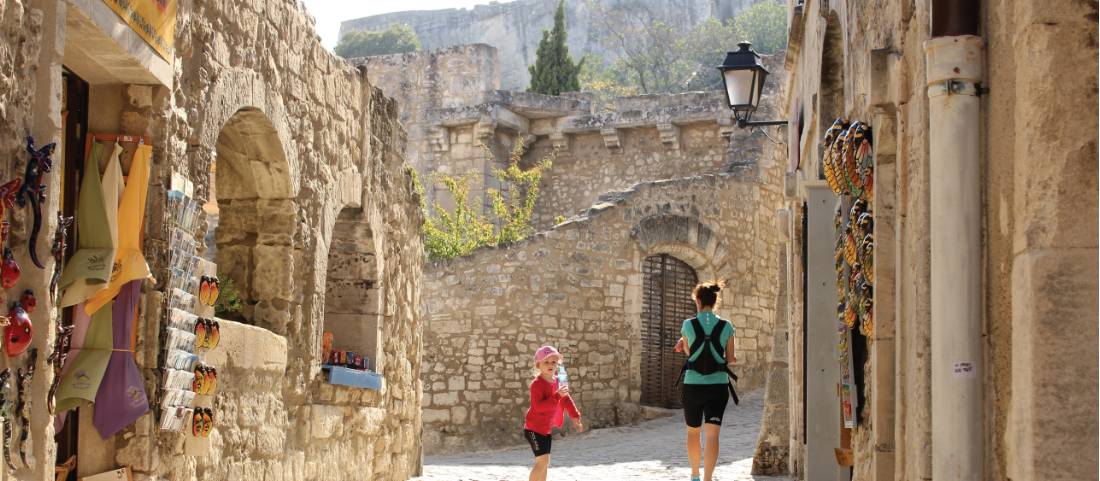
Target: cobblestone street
[653,450]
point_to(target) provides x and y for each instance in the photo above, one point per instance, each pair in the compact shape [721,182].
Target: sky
[329,13]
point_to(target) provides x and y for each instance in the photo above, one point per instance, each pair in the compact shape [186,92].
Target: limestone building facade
[982,360]
[659,192]
[317,228]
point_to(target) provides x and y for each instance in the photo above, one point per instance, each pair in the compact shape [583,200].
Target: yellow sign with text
[153,20]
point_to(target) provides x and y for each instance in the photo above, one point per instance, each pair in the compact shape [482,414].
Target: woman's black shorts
[540,443]
[704,402]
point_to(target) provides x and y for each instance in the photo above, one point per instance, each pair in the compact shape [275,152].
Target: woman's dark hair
[707,293]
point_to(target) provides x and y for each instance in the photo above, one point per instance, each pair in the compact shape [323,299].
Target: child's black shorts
[704,402]
[540,443]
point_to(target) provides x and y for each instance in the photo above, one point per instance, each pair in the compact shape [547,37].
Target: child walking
[549,402]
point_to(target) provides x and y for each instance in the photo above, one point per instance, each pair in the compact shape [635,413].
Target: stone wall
[598,147]
[515,28]
[1039,373]
[292,137]
[579,287]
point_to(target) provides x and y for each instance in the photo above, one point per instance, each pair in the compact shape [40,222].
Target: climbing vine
[464,228]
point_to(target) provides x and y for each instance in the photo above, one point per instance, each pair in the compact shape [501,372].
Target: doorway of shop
[74,121]
[666,291]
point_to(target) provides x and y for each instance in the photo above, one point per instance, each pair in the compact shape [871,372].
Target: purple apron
[121,398]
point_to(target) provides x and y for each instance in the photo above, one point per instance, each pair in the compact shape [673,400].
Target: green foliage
[554,71]
[654,57]
[765,25]
[228,305]
[397,38]
[461,230]
[559,219]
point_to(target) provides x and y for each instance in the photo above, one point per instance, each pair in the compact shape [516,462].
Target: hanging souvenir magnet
[34,191]
[58,250]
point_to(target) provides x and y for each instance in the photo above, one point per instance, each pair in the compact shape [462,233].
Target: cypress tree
[554,71]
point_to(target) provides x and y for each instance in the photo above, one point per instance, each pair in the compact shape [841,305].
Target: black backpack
[708,362]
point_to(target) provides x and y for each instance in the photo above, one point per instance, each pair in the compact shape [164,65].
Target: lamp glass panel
[739,86]
[757,89]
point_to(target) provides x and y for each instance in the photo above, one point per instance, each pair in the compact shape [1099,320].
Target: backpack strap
[700,339]
[698,328]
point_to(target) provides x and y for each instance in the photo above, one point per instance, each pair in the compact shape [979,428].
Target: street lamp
[744,76]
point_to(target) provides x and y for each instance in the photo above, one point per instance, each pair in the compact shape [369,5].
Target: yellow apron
[129,261]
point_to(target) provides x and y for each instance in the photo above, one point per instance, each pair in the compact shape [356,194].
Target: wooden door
[666,304]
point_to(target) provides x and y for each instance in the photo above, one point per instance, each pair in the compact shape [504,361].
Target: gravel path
[653,450]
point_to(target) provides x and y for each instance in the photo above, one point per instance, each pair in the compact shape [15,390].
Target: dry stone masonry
[301,158]
[636,177]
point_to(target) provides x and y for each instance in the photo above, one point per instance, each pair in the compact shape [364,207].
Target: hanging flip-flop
[214,334]
[200,332]
[196,422]
[207,422]
[204,290]
[215,291]
[198,380]
[210,380]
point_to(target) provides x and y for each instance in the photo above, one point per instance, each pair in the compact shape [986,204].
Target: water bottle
[563,378]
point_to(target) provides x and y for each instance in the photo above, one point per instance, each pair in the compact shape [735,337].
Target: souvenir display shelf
[187,384]
[346,367]
[848,166]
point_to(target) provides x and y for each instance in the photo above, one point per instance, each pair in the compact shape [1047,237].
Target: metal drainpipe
[954,72]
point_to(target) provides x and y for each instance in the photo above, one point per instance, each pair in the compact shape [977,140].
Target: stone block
[274,272]
[250,349]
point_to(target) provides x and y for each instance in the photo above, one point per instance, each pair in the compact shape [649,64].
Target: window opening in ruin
[253,217]
[353,307]
[667,302]
[74,121]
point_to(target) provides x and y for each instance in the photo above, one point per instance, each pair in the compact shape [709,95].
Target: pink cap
[545,352]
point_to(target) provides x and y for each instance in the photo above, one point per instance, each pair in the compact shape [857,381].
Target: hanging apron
[81,382]
[121,398]
[129,262]
[89,269]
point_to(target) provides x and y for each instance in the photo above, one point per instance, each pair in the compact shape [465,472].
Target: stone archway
[257,219]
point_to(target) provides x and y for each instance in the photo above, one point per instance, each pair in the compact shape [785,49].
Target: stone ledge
[249,348]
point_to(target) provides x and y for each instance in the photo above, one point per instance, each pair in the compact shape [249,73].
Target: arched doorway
[666,302]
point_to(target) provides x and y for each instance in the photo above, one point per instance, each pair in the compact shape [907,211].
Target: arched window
[353,297]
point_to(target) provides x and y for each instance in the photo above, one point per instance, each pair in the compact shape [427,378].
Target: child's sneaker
[695,478]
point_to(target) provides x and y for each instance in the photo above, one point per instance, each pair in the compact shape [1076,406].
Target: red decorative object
[28,301]
[9,271]
[18,333]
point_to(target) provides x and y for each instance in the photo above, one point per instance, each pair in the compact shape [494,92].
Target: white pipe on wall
[954,66]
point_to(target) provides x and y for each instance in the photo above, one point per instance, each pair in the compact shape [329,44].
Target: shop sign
[153,20]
